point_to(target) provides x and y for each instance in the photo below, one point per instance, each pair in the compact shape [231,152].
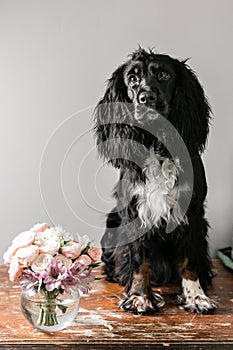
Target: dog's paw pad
[199,304]
[141,304]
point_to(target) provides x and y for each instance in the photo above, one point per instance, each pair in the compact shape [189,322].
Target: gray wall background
[54,61]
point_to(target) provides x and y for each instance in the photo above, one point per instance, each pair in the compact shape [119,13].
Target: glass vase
[47,312]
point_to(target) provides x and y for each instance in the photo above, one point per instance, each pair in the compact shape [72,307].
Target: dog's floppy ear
[116,92]
[116,89]
[190,109]
[112,111]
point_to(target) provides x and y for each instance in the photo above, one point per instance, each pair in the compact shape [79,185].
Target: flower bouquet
[50,264]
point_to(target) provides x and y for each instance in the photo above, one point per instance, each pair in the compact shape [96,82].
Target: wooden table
[100,324]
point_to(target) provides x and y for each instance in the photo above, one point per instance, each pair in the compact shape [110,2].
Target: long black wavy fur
[118,138]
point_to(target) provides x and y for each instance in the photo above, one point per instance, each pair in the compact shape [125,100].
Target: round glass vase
[48,312]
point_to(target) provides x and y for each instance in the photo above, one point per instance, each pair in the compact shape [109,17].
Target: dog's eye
[163,75]
[133,80]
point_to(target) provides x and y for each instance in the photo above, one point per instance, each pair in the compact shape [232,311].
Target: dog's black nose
[147,98]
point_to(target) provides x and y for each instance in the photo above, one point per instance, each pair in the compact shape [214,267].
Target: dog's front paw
[193,298]
[199,304]
[142,304]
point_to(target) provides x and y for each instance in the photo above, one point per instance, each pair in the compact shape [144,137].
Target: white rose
[43,237]
[48,241]
[64,234]
[50,247]
[41,262]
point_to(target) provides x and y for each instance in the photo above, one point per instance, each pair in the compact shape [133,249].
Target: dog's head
[157,86]
[150,80]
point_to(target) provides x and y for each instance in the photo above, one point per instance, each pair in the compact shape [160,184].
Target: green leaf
[85,250]
[63,308]
[96,264]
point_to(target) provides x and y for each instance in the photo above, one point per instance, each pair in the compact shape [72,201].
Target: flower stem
[47,316]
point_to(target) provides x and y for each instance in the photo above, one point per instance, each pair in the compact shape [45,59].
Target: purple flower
[82,276]
[30,280]
[55,276]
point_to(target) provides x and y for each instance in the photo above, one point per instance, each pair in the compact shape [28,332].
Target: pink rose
[8,255]
[94,253]
[84,260]
[71,250]
[39,228]
[15,269]
[63,260]
[26,255]
[24,239]
[41,262]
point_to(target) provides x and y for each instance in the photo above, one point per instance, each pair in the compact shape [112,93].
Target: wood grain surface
[100,324]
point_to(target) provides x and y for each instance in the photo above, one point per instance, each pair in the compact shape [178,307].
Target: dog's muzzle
[147,98]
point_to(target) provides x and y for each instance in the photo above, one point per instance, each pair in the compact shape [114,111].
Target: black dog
[152,124]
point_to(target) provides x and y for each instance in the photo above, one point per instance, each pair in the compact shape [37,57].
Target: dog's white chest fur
[157,198]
